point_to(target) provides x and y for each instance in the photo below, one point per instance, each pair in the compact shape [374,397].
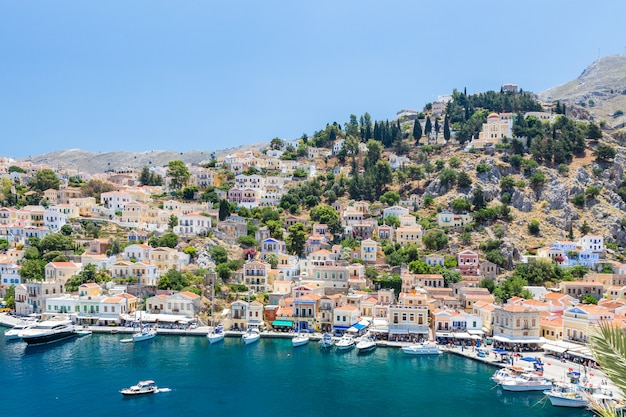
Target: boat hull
[49,338]
[364,349]
[142,337]
[522,388]
[215,337]
[559,401]
[299,341]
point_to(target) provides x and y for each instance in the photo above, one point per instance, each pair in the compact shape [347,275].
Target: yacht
[345,343]
[146,333]
[251,335]
[15,332]
[508,372]
[366,344]
[142,387]
[526,382]
[426,348]
[48,331]
[217,334]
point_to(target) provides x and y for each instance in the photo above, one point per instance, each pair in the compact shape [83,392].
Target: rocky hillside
[599,91]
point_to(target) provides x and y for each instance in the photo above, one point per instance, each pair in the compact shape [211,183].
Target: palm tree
[608,345]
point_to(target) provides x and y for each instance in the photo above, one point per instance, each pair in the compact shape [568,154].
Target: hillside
[94,162]
[600,90]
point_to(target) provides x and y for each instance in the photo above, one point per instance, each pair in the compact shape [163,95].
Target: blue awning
[340,328]
[359,326]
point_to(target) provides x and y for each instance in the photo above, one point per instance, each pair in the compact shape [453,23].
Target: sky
[209,75]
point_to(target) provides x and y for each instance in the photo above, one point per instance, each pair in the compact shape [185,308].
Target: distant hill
[93,162]
[600,90]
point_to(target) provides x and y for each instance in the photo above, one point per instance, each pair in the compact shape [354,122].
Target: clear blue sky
[139,75]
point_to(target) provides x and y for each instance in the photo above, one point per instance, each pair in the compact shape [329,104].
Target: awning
[379,329]
[398,331]
[359,326]
[507,339]
[282,323]
[477,332]
[462,335]
[553,348]
[582,353]
[342,328]
[443,334]
[418,331]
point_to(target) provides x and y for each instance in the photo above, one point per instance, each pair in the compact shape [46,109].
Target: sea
[83,377]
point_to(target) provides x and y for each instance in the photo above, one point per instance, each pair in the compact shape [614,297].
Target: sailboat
[217,333]
[145,332]
[300,339]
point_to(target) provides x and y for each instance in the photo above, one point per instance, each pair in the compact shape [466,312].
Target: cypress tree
[428,127]
[446,129]
[417,130]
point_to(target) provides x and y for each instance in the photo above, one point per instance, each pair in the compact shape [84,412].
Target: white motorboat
[142,388]
[300,339]
[48,331]
[567,395]
[217,334]
[15,332]
[508,372]
[366,344]
[426,348]
[83,332]
[251,335]
[327,341]
[146,333]
[528,381]
[345,343]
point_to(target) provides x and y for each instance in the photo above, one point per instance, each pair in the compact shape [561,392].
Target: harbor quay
[554,368]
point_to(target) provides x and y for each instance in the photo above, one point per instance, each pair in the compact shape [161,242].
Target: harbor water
[83,376]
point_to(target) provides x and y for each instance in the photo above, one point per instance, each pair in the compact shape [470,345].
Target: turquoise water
[82,377]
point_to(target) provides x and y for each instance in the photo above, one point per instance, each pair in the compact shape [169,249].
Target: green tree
[446,129]
[4,244]
[460,205]
[390,198]
[463,180]
[172,222]
[223,271]
[428,127]
[327,215]
[451,276]
[435,239]
[592,191]
[219,254]
[272,259]
[189,193]
[95,188]
[296,239]
[224,210]
[579,200]
[66,230]
[584,228]
[447,177]
[247,241]
[9,297]
[43,180]
[178,173]
[417,130]
[533,226]
[604,153]
[32,269]
[168,240]
[593,131]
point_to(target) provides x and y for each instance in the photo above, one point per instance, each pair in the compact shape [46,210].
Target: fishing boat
[345,343]
[567,395]
[508,372]
[426,348]
[49,331]
[528,381]
[366,344]
[142,388]
[327,341]
[83,332]
[251,335]
[300,339]
[217,334]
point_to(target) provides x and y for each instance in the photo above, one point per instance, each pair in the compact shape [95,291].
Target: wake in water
[163,390]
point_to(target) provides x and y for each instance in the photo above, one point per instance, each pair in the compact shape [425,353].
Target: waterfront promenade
[553,369]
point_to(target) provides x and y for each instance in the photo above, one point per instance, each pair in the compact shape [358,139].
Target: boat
[146,333]
[251,335]
[528,381]
[567,395]
[426,348]
[83,332]
[49,331]
[142,388]
[300,339]
[217,334]
[509,371]
[366,344]
[327,341]
[345,343]
[15,332]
